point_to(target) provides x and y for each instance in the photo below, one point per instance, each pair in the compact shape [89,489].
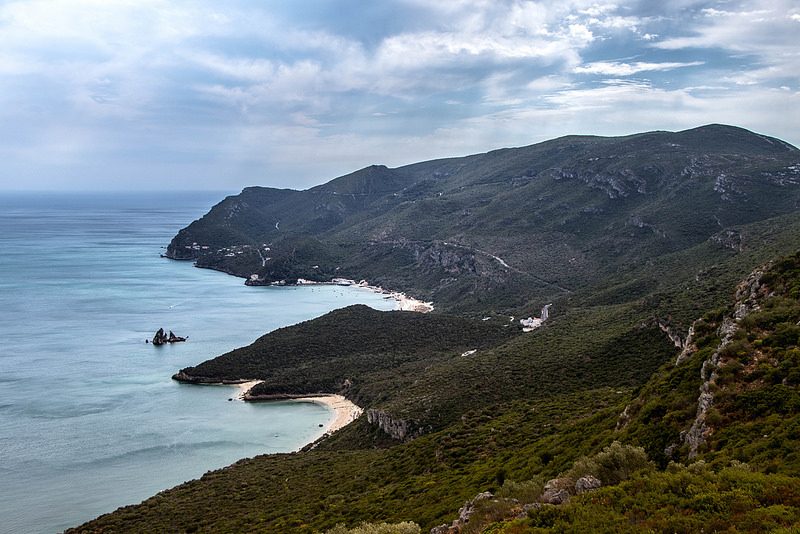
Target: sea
[90,419]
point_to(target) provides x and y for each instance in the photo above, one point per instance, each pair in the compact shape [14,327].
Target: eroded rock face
[527,508]
[447,259]
[398,429]
[587,483]
[466,511]
[689,347]
[464,515]
[747,295]
[728,238]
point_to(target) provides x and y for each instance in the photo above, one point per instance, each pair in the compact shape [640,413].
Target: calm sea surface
[89,417]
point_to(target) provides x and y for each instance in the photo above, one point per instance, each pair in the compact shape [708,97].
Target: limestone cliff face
[448,259]
[748,294]
[398,429]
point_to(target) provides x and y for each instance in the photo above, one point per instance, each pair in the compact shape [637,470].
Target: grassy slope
[367,355]
[426,479]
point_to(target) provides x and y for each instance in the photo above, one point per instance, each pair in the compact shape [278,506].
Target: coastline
[343,411]
[404,302]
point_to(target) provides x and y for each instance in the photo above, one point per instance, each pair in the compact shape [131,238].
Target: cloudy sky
[150,94]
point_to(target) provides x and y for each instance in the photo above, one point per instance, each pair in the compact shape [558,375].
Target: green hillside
[667,369]
[494,231]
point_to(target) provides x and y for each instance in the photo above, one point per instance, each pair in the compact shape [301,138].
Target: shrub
[407,527]
[547,516]
[613,464]
[525,492]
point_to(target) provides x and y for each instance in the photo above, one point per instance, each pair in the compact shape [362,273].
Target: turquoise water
[89,417]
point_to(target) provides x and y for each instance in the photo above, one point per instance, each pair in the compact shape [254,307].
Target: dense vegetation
[367,355]
[633,240]
[424,480]
[746,473]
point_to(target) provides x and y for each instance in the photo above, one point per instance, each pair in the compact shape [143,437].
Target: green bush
[407,527]
[613,464]
[525,492]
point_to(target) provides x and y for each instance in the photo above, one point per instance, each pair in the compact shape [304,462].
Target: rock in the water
[587,483]
[160,338]
[175,339]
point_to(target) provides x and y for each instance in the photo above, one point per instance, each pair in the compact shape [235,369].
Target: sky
[219,95]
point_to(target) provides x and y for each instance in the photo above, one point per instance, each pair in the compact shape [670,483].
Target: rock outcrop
[161,338]
[586,484]
[398,429]
[464,515]
[747,294]
[556,491]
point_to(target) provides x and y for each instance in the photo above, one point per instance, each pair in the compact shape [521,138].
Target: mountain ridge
[545,216]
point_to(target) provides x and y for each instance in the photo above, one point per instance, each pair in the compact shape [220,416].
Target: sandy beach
[406,303]
[344,411]
[244,387]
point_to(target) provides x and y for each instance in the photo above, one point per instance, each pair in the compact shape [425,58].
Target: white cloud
[248,69]
[615,68]
[760,27]
[547,84]
[596,10]
[760,33]
[256,93]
